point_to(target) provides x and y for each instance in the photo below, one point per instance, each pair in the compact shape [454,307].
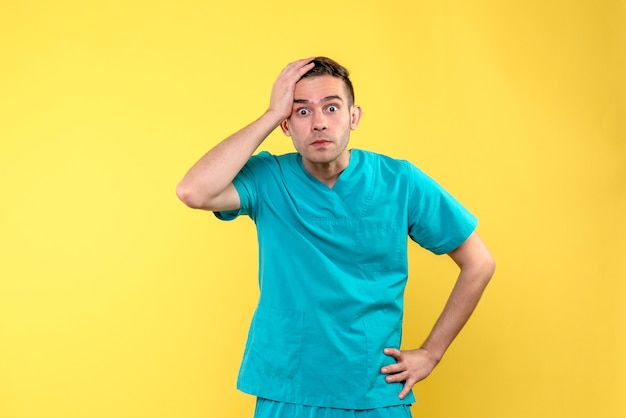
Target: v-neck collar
[352,190]
[342,178]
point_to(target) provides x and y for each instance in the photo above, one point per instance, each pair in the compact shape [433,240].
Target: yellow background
[117,301]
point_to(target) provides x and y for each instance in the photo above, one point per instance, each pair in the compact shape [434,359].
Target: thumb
[405,390]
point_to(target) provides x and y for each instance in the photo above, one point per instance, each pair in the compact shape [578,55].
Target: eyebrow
[325,99]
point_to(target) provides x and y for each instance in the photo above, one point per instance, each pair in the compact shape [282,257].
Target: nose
[319,122]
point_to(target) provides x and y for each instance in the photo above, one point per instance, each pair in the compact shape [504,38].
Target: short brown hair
[327,66]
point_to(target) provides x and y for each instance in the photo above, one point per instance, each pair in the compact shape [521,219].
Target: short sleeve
[246,184]
[437,221]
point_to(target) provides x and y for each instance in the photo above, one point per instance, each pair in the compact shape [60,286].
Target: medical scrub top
[332,272]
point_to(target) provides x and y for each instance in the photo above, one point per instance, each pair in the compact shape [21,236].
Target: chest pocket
[380,247]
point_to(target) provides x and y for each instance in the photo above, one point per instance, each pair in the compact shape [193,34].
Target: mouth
[320,143]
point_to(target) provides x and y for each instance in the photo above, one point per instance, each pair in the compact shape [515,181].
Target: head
[323,115]
[327,66]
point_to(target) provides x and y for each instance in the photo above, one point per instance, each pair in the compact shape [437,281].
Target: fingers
[401,377]
[393,352]
[405,389]
[300,66]
[397,377]
[406,370]
[281,100]
[295,70]
[393,368]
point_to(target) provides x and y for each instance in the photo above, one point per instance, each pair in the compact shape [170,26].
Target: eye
[302,112]
[333,108]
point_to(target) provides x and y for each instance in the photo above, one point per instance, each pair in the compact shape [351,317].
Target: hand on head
[281,101]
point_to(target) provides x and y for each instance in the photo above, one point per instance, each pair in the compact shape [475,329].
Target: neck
[328,172]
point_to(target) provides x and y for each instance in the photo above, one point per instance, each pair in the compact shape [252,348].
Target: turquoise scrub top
[332,272]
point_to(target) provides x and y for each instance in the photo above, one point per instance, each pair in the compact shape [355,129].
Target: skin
[208,184]
[476,269]
[320,125]
[316,113]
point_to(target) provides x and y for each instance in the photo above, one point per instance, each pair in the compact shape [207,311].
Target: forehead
[315,89]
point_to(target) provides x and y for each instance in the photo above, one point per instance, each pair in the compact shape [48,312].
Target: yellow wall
[117,301]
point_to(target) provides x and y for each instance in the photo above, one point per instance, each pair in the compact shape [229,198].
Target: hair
[327,66]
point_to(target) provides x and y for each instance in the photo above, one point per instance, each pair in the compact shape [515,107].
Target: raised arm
[208,184]
[477,267]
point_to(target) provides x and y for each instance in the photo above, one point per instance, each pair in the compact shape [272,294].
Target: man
[332,227]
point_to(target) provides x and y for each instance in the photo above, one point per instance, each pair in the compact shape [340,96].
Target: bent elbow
[199,197]
[488,268]
[481,270]
[188,197]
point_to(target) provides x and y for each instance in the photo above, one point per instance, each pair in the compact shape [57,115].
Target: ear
[355,116]
[284,125]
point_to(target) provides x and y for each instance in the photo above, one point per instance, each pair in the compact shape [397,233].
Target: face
[321,120]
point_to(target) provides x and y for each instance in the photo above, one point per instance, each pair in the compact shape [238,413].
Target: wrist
[434,354]
[274,116]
